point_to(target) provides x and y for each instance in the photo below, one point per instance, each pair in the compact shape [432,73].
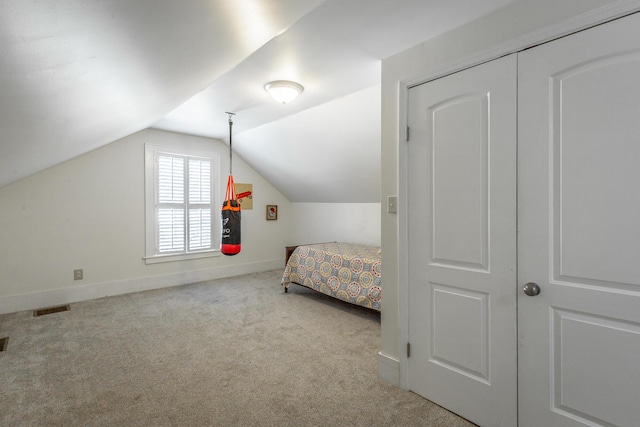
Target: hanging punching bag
[230,210]
[230,221]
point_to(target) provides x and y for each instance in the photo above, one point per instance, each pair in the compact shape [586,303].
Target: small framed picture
[272,212]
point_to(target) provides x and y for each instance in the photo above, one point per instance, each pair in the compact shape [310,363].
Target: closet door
[461,161]
[579,229]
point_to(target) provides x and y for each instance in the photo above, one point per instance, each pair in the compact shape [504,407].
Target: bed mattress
[347,271]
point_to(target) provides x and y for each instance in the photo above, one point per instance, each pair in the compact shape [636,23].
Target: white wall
[328,222]
[463,46]
[88,213]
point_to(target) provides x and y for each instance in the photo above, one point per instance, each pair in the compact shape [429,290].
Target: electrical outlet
[77,274]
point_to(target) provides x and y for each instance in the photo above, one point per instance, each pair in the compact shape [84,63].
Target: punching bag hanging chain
[230,146]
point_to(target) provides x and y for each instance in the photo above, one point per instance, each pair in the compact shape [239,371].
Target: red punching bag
[230,221]
[230,211]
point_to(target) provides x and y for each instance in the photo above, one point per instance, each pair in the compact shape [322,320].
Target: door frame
[578,23]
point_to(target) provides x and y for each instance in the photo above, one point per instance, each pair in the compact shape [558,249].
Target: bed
[346,271]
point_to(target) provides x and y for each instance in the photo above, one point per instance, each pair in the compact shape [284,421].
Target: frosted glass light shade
[283,91]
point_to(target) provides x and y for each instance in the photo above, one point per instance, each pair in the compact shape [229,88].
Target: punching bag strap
[231,190]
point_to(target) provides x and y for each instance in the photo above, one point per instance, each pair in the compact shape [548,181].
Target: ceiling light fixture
[283,91]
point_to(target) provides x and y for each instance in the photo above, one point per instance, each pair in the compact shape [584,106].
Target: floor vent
[3,343]
[51,310]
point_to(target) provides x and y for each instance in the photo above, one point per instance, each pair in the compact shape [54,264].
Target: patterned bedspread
[347,271]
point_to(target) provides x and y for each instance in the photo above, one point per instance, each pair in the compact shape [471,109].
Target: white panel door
[579,229]
[462,242]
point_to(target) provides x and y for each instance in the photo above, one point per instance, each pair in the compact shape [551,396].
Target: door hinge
[408,350]
[407,134]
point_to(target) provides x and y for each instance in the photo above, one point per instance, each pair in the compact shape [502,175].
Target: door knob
[531,289]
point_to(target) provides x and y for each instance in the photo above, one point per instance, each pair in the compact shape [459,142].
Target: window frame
[152,252]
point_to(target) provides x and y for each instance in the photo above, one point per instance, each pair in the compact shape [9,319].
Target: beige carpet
[227,352]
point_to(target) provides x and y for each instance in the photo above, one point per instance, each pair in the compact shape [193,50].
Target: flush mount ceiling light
[283,91]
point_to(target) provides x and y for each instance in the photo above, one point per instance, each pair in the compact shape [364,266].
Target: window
[180,198]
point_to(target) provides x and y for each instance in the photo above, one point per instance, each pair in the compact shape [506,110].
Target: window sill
[181,257]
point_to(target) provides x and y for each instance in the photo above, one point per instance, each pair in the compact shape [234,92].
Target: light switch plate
[392,204]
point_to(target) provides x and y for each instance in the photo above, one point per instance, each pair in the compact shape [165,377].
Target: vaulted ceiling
[78,74]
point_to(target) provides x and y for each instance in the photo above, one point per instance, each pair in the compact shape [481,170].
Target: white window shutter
[170,230]
[170,179]
[181,220]
[199,181]
[199,229]
[199,204]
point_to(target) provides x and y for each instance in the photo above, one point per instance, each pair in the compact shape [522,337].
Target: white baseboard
[32,301]
[388,369]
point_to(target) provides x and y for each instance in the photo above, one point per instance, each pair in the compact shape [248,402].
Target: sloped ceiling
[78,74]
